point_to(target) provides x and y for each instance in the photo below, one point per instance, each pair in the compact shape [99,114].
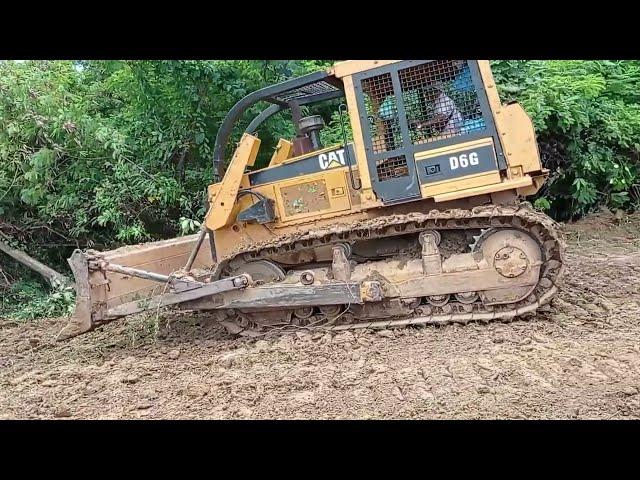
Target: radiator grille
[393,167]
[382,113]
[440,100]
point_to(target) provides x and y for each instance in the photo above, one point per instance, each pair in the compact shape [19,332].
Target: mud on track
[579,359]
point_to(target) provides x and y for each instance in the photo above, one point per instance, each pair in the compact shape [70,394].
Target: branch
[181,163]
[53,277]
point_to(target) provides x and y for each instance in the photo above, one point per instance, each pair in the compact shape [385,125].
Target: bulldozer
[416,217]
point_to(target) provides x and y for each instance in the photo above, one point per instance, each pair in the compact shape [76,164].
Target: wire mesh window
[393,167]
[382,113]
[440,100]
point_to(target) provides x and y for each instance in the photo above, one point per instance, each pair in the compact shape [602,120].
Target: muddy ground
[579,359]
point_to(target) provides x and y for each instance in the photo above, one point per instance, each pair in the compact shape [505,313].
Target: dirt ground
[579,359]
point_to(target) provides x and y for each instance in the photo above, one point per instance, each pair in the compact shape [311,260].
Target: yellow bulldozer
[416,217]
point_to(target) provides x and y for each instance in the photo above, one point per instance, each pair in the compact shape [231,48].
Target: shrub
[587,117]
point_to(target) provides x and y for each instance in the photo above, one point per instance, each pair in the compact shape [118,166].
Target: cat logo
[332,159]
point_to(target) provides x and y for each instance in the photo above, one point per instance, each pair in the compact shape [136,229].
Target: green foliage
[587,117]
[188,225]
[333,133]
[541,203]
[28,299]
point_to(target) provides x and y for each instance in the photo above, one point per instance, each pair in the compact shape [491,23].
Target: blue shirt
[463,81]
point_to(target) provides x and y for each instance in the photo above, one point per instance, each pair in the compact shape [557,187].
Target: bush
[587,117]
[28,299]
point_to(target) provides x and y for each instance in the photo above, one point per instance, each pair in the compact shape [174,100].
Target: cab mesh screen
[393,167]
[439,99]
[382,113]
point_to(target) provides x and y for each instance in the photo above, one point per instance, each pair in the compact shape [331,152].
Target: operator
[464,83]
[446,119]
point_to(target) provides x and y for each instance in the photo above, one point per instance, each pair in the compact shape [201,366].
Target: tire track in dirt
[578,359]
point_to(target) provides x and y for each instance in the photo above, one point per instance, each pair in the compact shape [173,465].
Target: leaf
[510,88]
[542,204]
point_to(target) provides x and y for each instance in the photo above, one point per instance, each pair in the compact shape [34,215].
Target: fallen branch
[55,279]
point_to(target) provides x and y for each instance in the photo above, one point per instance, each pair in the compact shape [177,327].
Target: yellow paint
[459,184]
[519,139]
[333,179]
[450,149]
[283,152]
[312,154]
[538,181]
[224,201]
[496,187]
[525,176]
[433,189]
[212,191]
[349,67]
[490,85]
[164,257]
[367,196]
[337,192]
[299,157]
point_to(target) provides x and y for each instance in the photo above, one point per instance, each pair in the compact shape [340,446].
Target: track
[485,218]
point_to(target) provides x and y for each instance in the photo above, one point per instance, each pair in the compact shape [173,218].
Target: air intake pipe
[310,127]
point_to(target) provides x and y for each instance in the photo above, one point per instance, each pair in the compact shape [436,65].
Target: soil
[578,359]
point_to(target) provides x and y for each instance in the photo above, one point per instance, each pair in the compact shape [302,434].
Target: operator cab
[408,115]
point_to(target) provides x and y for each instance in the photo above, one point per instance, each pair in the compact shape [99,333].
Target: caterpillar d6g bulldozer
[416,218]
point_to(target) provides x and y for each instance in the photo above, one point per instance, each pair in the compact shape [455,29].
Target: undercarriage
[487,263]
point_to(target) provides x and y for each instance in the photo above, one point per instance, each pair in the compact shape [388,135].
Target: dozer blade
[137,282]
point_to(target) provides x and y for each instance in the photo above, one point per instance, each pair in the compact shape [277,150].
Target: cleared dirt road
[579,359]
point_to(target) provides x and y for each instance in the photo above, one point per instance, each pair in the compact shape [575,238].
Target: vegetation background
[97,154]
